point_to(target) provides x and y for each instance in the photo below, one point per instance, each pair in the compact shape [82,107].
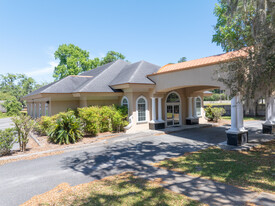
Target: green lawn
[253,170]
[124,189]
[245,118]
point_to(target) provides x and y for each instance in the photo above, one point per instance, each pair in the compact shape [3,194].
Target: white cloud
[42,71]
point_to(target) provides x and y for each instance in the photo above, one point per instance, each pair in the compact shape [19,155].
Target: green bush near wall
[103,119]
[92,120]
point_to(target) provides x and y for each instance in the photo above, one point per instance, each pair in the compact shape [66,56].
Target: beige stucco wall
[138,126]
[102,102]
[62,106]
[203,76]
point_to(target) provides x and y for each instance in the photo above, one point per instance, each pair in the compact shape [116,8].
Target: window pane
[173,98]
[125,101]
[141,110]
[141,101]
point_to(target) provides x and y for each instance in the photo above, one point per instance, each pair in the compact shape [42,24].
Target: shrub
[67,129]
[102,119]
[218,112]
[23,126]
[105,120]
[91,118]
[119,118]
[13,106]
[45,124]
[6,141]
[214,113]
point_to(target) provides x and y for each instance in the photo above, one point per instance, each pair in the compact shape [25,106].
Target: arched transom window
[124,102]
[141,109]
[173,98]
[198,106]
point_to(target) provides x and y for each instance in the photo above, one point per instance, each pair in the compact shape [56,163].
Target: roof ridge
[100,74]
[141,62]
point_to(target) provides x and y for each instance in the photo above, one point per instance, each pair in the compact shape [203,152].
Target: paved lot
[19,181]
[5,123]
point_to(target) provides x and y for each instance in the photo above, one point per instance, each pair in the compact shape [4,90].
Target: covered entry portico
[187,85]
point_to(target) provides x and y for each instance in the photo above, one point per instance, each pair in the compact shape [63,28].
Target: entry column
[190,119]
[236,135]
[269,125]
[159,110]
[155,124]
[153,110]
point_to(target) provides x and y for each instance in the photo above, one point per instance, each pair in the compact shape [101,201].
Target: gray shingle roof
[136,73]
[102,78]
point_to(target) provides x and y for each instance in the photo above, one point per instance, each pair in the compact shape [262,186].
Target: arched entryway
[173,109]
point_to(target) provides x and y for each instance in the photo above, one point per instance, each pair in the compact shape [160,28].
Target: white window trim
[198,97]
[146,109]
[167,103]
[121,103]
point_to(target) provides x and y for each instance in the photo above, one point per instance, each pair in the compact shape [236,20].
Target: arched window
[198,106]
[141,109]
[173,97]
[125,102]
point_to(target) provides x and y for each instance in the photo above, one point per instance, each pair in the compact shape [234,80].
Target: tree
[12,105]
[247,26]
[17,85]
[182,59]
[23,126]
[72,61]
[111,56]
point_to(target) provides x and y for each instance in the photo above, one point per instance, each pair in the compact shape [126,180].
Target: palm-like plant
[68,129]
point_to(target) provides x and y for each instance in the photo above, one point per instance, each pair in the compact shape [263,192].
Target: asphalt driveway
[5,123]
[19,181]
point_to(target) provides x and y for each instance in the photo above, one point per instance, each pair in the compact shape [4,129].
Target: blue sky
[158,31]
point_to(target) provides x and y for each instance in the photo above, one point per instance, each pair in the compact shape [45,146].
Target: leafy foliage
[67,129]
[6,141]
[216,97]
[73,60]
[17,85]
[110,57]
[214,113]
[44,125]
[103,119]
[182,59]
[249,24]
[12,105]
[23,126]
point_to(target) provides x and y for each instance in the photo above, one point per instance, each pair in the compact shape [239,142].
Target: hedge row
[93,119]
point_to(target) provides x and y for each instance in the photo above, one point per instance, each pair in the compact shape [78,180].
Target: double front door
[173,114]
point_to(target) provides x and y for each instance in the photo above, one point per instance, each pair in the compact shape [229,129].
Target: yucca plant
[67,129]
